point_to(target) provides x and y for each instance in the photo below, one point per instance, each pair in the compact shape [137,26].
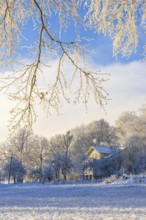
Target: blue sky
[126,86]
[100,46]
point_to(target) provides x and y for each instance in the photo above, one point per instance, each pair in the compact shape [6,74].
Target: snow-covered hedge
[126,179]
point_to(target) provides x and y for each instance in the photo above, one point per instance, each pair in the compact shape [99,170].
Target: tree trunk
[9,177]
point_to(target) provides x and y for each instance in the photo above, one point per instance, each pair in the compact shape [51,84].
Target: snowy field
[73,202]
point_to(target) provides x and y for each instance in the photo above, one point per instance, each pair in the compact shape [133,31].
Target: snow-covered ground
[73,201]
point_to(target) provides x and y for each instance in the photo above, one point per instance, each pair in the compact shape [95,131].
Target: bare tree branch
[118,20]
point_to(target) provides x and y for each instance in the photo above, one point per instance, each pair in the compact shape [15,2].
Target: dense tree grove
[29,157]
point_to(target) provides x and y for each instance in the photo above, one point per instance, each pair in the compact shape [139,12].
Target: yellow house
[98,152]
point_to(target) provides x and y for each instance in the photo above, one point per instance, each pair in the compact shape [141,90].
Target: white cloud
[5,107]
[127,89]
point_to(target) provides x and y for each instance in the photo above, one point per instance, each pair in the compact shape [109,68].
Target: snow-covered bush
[126,179]
[48,173]
[110,179]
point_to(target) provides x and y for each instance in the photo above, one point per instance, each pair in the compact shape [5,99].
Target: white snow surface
[90,201]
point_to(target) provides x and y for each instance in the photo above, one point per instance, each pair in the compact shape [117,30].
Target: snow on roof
[102,149]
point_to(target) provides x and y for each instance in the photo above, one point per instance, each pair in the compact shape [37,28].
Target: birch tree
[39,155]
[120,20]
[19,145]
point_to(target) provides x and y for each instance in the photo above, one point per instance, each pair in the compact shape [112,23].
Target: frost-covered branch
[120,21]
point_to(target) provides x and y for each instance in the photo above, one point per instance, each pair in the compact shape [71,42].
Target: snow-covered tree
[39,155]
[140,164]
[80,143]
[135,149]
[56,144]
[60,144]
[14,168]
[129,124]
[48,173]
[34,174]
[142,111]
[67,142]
[62,165]
[19,144]
[100,132]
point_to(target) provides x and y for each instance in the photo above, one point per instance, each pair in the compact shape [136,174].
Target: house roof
[100,149]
